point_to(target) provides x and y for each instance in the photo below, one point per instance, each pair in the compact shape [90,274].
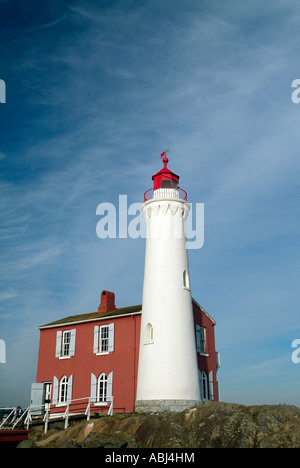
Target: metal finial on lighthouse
[164,156]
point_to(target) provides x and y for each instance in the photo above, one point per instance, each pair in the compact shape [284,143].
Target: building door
[48,388]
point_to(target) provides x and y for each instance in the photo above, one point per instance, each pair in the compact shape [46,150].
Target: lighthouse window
[168,184]
[149,334]
[186,279]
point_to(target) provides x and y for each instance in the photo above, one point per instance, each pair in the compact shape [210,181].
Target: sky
[95,91]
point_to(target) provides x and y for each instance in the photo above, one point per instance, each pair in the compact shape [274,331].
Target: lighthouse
[167,370]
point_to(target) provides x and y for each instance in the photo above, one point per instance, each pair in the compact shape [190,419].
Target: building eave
[204,311]
[93,317]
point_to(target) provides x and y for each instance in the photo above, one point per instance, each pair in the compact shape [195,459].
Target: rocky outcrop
[210,425]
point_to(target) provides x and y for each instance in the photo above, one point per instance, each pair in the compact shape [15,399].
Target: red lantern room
[165,183]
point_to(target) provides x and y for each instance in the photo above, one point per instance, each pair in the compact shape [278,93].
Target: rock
[27,444]
[237,426]
[221,426]
[68,443]
[210,425]
[96,440]
[91,443]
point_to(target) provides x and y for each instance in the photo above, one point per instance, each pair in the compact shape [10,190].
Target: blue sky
[95,90]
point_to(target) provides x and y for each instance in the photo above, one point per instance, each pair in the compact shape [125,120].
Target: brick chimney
[107,302]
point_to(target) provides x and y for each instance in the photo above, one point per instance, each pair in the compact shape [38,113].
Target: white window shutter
[96,339]
[72,342]
[37,399]
[111,337]
[211,385]
[93,388]
[69,391]
[109,387]
[58,344]
[55,390]
[198,345]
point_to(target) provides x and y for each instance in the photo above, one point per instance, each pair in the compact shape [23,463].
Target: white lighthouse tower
[168,371]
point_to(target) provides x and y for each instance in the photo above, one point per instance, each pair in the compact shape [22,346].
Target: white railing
[26,416]
[12,414]
[46,420]
[111,408]
[171,192]
[66,415]
[11,421]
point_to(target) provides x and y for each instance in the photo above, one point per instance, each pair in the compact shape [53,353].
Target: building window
[102,388]
[63,390]
[66,340]
[201,339]
[65,343]
[103,339]
[204,386]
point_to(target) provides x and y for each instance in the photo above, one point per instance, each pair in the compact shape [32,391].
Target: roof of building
[204,311]
[93,316]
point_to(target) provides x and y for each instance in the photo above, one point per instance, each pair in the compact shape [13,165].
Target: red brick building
[94,357]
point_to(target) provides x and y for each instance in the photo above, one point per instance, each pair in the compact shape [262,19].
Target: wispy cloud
[50,24]
[7,294]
